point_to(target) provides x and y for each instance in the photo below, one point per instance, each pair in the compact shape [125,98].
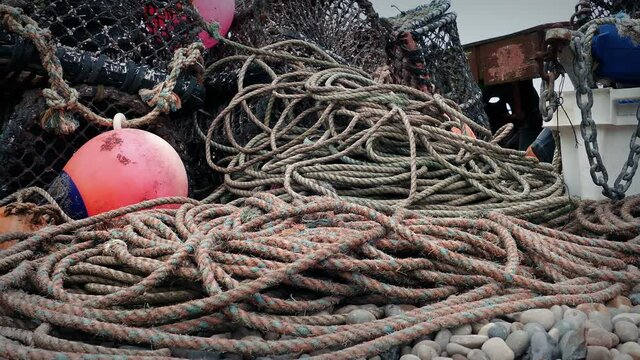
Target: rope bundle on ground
[326,129]
[170,279]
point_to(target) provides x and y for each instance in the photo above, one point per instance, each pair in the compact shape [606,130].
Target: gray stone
[518,342]
[453,348]
[540,348]
[392,310]
[475,327]
[424,351]
[497,349]
[375,358]
[462,330]
[635,299]
[442,358]
[627,331]
[477,354]
[544,317]
[405,350]
[391,354]
[558,312]
[533,328]
[432,344]
[635,309]
[516,326]
[632,317]
[346,309]
[623,357]
[485,329]
[409,357]
[360,316]
[575,317]
[443,338]
[554,333]
[602,319]
[630,348]
[458,357]
[572,345]
[614,352]
[598,353]
[470,341]
[564,327]
[601,337]
[499,331]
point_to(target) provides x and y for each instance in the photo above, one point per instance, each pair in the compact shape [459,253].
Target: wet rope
[320,128]
[276,267]
[62,99]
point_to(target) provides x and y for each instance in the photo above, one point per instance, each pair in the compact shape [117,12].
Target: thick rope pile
[326,129]
[170,279]
[615,220]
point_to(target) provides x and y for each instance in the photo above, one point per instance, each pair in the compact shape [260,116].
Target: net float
[118,168]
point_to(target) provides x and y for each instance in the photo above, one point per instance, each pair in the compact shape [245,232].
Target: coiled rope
[170,279]
[327,129]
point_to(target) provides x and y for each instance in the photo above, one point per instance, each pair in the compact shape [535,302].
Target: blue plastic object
[618,58]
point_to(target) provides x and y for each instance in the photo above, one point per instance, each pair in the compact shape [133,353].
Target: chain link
[584,98]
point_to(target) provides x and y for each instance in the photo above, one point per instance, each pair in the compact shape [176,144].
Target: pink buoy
[119,168]
[220,11]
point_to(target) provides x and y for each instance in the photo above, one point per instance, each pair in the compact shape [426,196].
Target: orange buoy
[119,168]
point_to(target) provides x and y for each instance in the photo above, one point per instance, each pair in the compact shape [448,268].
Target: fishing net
[426,53]
[587,10]
[126,45]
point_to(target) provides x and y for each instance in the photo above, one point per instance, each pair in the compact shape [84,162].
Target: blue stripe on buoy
[66,193]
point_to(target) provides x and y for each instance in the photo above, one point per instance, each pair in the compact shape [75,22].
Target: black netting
[587,10]
[349,30]
[132,41]
[426,51]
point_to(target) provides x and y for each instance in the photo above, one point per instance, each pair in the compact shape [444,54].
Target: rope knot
[57,119]
[110,248]
[162,99]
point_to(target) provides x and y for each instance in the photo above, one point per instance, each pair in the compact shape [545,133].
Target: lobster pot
[614,111]
[587,10]
[134,34]
[426,53]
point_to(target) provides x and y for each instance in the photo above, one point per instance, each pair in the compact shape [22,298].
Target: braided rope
[273,266]
[327,129]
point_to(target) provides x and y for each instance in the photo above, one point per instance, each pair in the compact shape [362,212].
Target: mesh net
[587,10]
[135,33]
[426,52]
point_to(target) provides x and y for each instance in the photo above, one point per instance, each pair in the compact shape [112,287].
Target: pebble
[540,349]
[476,327]
[623,357]
[601,337]
[635,309]
[497,349]
[409,357]
[558,312]
[572,345]
[518,342]
[470,341]
[443,338]
[620,301]
[634,318]
[477,354]
[430,343]
[424,351]
[598,353]
[346,309]
[405,350]
[375,358]
[392,310]
[360,316]
[462,330]
[499,331]
[590,307]
[630,348]
[485,329]
[544,317]
[554,333]
[614,352]
[453,348]
[533,328]
[635,299]
[516,326]
[575,317]
[445,358]
[626,331]
[458,357]
[602,319]
[391,354]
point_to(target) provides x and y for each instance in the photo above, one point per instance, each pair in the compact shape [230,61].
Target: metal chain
[584,98]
